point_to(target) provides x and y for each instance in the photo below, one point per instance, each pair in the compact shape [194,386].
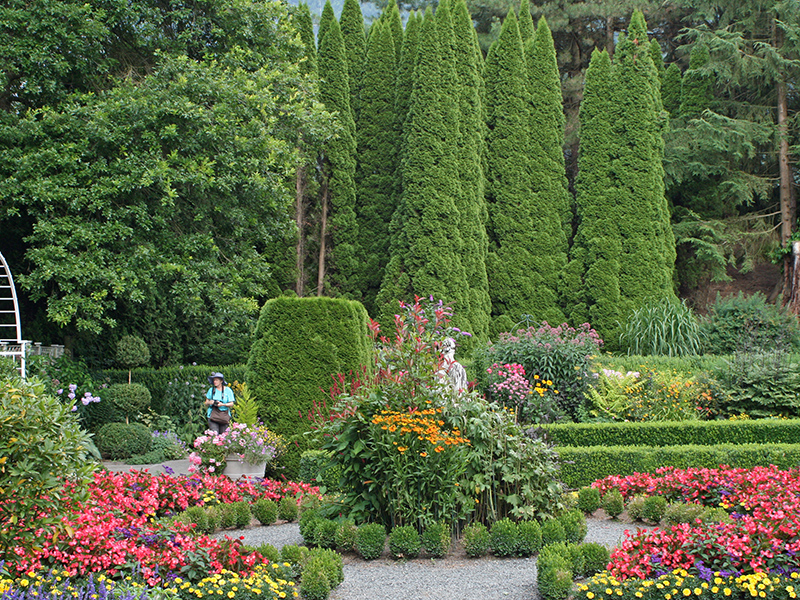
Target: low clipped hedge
[581,466]
[675,433]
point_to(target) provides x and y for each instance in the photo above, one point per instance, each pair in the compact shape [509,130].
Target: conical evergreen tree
[658,59]
[305,27]
[471,151]
[515,287]
[391,17]
[325,20]
[593,273]
[696,92]
[339,260]
[424,258]
[355,42]
[671,90]
[647,258]
[526,28]
[377,156]
[548,172]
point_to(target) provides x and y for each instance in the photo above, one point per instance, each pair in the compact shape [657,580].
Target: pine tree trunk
[323,233]
[610,36]
[791,274]
[300,216]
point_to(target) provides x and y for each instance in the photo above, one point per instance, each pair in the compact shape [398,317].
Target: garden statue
[452,369]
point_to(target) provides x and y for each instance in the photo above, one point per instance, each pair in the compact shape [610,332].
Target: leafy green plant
[613,503]
[121,440]
[268,551]
[635,508]
[476,540]
[436,539]
[314,584]
[197,516]
[308,525]
[329,561]
[554,577]
[404,542]
[132,351]
[663,326]
[588,499]
[552,532]
[595,556]
[265,510]
[370,540]
[345,536]
[653,508]
[246,408]
[325,533]
[295,555]
[574,524]
[241,514]
[128,399]
[287,508]
[530,538]
[683,512]
[504,537]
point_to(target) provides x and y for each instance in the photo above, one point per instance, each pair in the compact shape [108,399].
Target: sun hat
[214,376]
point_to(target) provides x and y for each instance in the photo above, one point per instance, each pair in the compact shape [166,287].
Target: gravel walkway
[456,577]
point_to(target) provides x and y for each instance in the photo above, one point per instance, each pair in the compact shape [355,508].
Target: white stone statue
[452,369]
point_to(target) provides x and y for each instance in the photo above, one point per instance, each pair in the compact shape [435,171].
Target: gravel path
[456,577]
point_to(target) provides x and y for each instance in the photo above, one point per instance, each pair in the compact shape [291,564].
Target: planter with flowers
[241,450]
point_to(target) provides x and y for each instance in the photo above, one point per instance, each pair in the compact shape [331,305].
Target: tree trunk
[323,232]
[300,216]
[791,277]
[610,36]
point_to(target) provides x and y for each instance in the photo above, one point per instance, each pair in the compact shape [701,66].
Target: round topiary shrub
[595,557]
[635,508]
[308,525]
[530,538]
[504,537]
[329,561]
[265,510]
[613,503]
[554,577]
[196,515]
[370,540]
[476,540]
[118,441]
[270,552]
[436,539]
[653,508]
[588,499]
[314,584]
[287,509]
[227,515]
[574,524]
[241,514]
[128,399]
[404,542]
[552,532]
[346,536]
[325,533]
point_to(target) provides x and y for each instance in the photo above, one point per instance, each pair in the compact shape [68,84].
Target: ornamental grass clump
[436,539]
[662,327]
[370,540]
[504,537]
[265,510]
[530,538]
[404,542]
[476,540]
[588,499]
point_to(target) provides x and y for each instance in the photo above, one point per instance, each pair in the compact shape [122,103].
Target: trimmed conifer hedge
[300,344]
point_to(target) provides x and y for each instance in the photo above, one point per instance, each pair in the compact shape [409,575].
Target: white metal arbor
[11,342]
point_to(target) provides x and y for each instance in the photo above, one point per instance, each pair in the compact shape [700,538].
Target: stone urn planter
[235,467]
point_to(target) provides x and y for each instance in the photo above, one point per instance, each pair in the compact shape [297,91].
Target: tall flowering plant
[533,401]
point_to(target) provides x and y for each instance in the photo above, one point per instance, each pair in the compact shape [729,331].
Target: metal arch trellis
[11,342]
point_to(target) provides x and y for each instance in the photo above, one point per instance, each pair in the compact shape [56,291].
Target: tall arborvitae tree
[696,91]
[549,178]
[515,287]
[338,264]
[526,28]
[391,17]
[325,20]
[376,159]
[471,152]
[425,256]
[305,27]
[593,273]
[351,22]
[671,90]
[658,59]
[647,257]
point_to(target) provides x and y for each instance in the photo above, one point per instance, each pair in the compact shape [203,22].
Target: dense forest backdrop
[167,166]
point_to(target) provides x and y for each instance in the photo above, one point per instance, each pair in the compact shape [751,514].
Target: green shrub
[130,400]
[664,326]
[321,336]
[227,515]
[596,558]
[574,523]
[122,440]
[613,503]
[569,552]
[213,518]
[436,539]
[635,508]
[308,525]
[759,384]
[330,562]
[270,552]
[197,516]
[132,351]
[530,538]
[346,536]
[653,508]
[293,554]
[504,537]
[287,509]
[588,499]
[554,577]
[476,540]
[552,532]
[750,323]
[683,512]
[316,468]
[246,408]
[314,584]
[716,515]
[370,540]
[241,514]
[265,510]
[325,533]
[404,542]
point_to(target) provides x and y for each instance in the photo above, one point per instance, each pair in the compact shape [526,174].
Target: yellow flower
[687,592]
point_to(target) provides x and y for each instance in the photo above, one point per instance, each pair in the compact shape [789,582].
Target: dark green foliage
[683,512]
[329,561]
[226,514]
[526,28]
[345,535]
[325,533]
[696,88]
[612,503]
[304,25]
[574,524]
[588,499]
[504,537]
[198,516]
[759,384]
[308,525]
[315,468]
[392,19]
[635,508]
[595,556]
[405,85]
[241,514]
[370,540]
[569,552]
[552,532]
[663,326]
[404,542]
[326,18]
[653,509]
[351,22]
[314,584]
[132,351]
[213,518]
[121,440]
[436,539]
[554,577]
[287,509]
[128,399]
[476,540]
[270,552]
[749,323]
[265,510]
[658,59]
[671,90]
[530,538]
[377,158]
[301,343]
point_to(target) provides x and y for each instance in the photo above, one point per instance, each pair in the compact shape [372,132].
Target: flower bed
[762,535]
[119,529]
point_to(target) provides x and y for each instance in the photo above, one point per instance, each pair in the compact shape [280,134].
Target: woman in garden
[219,400]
